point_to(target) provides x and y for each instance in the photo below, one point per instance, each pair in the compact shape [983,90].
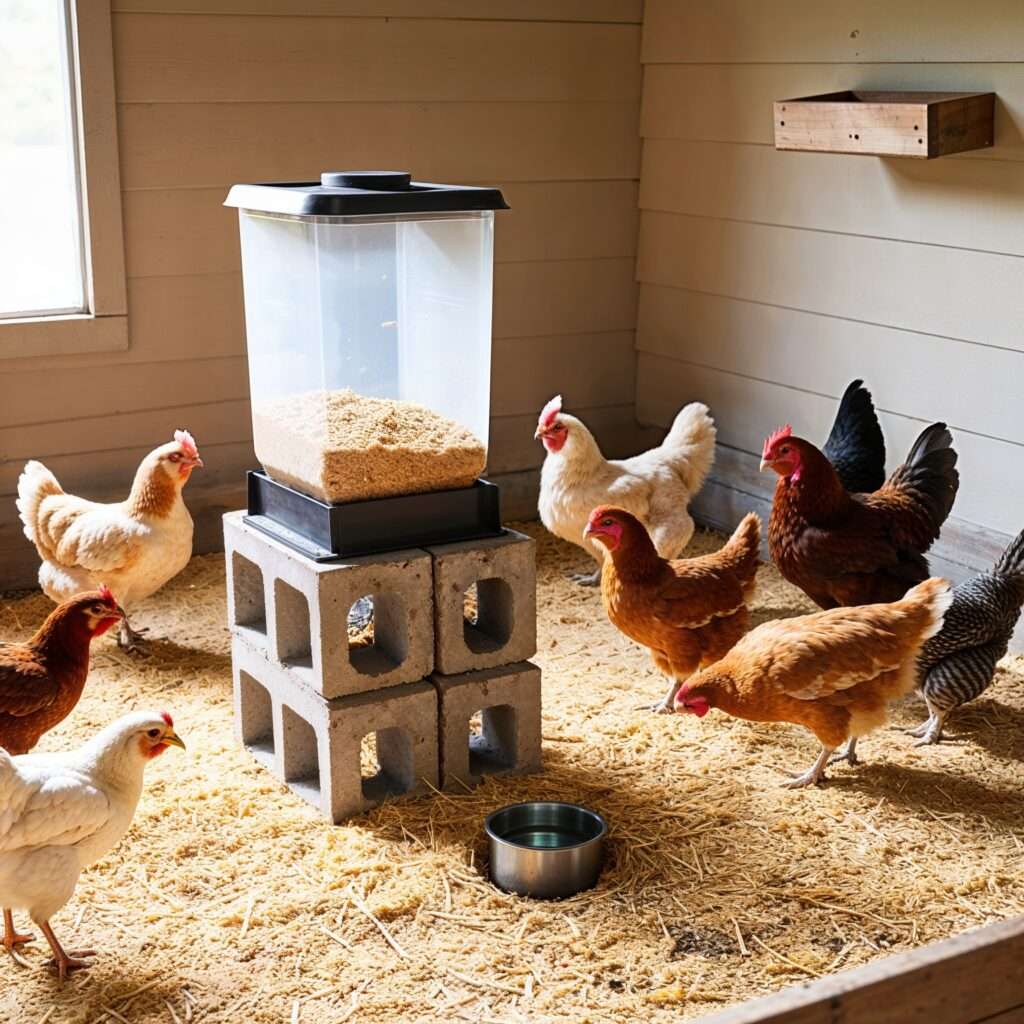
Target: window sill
[63,336]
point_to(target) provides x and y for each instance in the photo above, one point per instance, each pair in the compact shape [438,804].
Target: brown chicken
[687,612]
[848,549]
[833,672]
[41,680]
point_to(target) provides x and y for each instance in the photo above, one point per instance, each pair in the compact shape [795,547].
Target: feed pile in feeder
[341,446]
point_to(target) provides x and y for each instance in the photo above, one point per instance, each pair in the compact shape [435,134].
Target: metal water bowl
[545,849]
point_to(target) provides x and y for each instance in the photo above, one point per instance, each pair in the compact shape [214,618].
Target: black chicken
[958,663]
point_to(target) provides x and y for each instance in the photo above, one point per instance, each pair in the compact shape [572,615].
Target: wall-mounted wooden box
[915,124]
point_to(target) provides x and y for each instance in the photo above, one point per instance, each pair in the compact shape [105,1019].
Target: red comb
[167,718]
[773,439]
[550,411]
[106,595]
[187,442]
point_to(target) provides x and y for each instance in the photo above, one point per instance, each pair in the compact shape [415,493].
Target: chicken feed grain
[341,446]
[231,900]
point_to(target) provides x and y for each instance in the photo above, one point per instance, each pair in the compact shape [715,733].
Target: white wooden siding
[539,98]
[769,280]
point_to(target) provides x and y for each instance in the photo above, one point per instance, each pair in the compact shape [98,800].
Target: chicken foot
[129,639]
[930,730]
[814,774]
[849,754]
[65,962]
[667,704]
[11,937]
[587,579]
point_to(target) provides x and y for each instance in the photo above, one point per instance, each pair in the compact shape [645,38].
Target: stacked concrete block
[446,697]
[482,666]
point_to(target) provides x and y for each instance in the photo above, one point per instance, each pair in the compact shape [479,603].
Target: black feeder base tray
[326,533]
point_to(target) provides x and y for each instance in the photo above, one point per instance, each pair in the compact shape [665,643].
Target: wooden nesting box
[915,124]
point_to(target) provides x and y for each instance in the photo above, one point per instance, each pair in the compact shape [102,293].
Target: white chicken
[133,547]
[655,486]
[59,813]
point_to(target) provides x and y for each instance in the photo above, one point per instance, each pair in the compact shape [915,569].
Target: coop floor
[230,900]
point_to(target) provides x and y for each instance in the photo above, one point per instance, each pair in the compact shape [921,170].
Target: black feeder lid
[361,193]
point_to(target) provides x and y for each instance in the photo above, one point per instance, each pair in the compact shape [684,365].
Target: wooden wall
[540,97]
[769,280]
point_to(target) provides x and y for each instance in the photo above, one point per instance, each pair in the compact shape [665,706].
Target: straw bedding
[341,446]
[230,900]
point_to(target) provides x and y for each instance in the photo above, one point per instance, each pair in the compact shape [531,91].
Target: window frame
[104,326]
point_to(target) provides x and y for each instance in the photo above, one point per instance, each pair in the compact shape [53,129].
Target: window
[62,287]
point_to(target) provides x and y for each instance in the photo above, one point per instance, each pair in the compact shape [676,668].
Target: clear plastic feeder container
[368,324]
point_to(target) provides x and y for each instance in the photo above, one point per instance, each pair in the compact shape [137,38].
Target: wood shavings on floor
[230,900]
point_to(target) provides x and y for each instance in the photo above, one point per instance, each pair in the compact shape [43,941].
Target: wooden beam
[974,977]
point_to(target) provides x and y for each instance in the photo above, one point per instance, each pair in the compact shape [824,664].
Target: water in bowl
[543,837]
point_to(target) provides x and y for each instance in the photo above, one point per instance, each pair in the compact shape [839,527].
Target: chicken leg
[849,754]
[587,579]
[65,962]
[930,730]
[667,704]
[129,639]
[11,937]
[814,774]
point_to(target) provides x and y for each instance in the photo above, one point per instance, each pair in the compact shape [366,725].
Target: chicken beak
[173,739]
[196,463]
[538,433]
[588,530]
[765,464]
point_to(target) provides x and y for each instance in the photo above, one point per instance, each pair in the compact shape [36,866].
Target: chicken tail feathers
[855,446]
[690,444]
[1011,561]
[935,595]
[741,551]
[929,476]
[35,484]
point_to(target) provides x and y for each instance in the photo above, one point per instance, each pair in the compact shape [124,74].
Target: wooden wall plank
[962,294]
[595,369]
[626,11]
[189,231]
[125,387]
[201,316]
[906,371]
[746,410]
[974,204]
[744,31]
[736,100]
[201,145]
[213,59]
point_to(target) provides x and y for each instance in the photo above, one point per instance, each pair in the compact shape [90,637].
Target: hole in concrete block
[487,615]
[300,756]
[383,643]
[247,587]
[257,718]
[291,610]
[386,764]
[492,740]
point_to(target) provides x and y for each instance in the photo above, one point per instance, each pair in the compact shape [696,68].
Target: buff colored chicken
[59,813]
[687,612]
[655,486]
[834,672]
[134,546]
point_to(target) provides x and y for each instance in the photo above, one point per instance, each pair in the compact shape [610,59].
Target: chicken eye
[174,457]
[607,522]
[153,733]
[784,450]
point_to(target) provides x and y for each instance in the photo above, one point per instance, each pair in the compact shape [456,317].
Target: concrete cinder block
[505,631]
[509,735]
[313,745]
[296,611]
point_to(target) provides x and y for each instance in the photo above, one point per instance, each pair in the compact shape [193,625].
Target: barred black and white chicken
[958,663]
